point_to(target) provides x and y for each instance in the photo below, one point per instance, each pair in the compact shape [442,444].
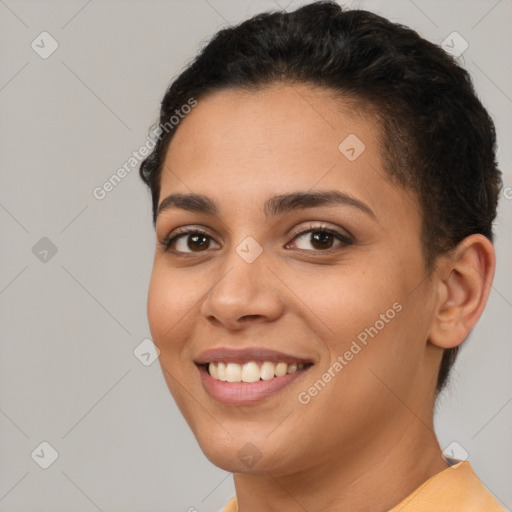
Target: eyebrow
[273,207]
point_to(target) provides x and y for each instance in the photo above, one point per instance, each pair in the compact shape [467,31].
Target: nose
[243,294]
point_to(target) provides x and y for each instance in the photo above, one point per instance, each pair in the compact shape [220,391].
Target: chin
[247,453]
[240,461]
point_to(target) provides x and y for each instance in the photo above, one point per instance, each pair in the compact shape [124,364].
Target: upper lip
[245,355]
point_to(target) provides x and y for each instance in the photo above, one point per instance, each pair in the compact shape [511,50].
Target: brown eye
[322,240]
[197,242]
[315,240]
[189,242]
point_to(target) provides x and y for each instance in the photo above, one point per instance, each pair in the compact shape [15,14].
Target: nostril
[248,317]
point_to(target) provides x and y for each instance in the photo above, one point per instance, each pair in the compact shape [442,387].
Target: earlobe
[464,283]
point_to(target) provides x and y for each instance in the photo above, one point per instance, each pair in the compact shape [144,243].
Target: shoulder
[231,506]
[454,489]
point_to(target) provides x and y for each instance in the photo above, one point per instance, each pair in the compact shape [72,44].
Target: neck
[373,478]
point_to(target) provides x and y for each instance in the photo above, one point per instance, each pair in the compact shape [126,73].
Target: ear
[464,282]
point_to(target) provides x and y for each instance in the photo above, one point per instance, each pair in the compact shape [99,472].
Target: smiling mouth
[251,371]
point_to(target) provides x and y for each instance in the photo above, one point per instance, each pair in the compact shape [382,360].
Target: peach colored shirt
[455,489]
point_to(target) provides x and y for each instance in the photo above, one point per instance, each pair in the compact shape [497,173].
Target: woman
[324,185]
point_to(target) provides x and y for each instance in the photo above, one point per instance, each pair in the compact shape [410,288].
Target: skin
[366,440]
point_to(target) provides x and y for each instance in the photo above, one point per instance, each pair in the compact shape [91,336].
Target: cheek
[347,299]
[159,307]
[368,317]
[169,306]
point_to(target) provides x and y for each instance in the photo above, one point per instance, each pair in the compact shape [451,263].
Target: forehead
[275,123]
[253,144]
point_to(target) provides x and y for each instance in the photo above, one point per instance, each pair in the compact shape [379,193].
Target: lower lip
[244,393]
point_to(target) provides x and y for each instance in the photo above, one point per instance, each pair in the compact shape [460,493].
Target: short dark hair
[436,137]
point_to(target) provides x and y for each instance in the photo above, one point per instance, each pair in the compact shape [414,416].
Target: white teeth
[267,370]
[233,372]
[221,371]
[292,368]
[251,372]
[281,369]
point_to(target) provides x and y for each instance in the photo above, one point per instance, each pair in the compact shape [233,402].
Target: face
[287,258]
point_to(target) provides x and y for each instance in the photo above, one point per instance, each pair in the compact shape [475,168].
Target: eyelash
[343,239]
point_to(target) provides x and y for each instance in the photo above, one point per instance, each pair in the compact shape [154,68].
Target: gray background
[70,324]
